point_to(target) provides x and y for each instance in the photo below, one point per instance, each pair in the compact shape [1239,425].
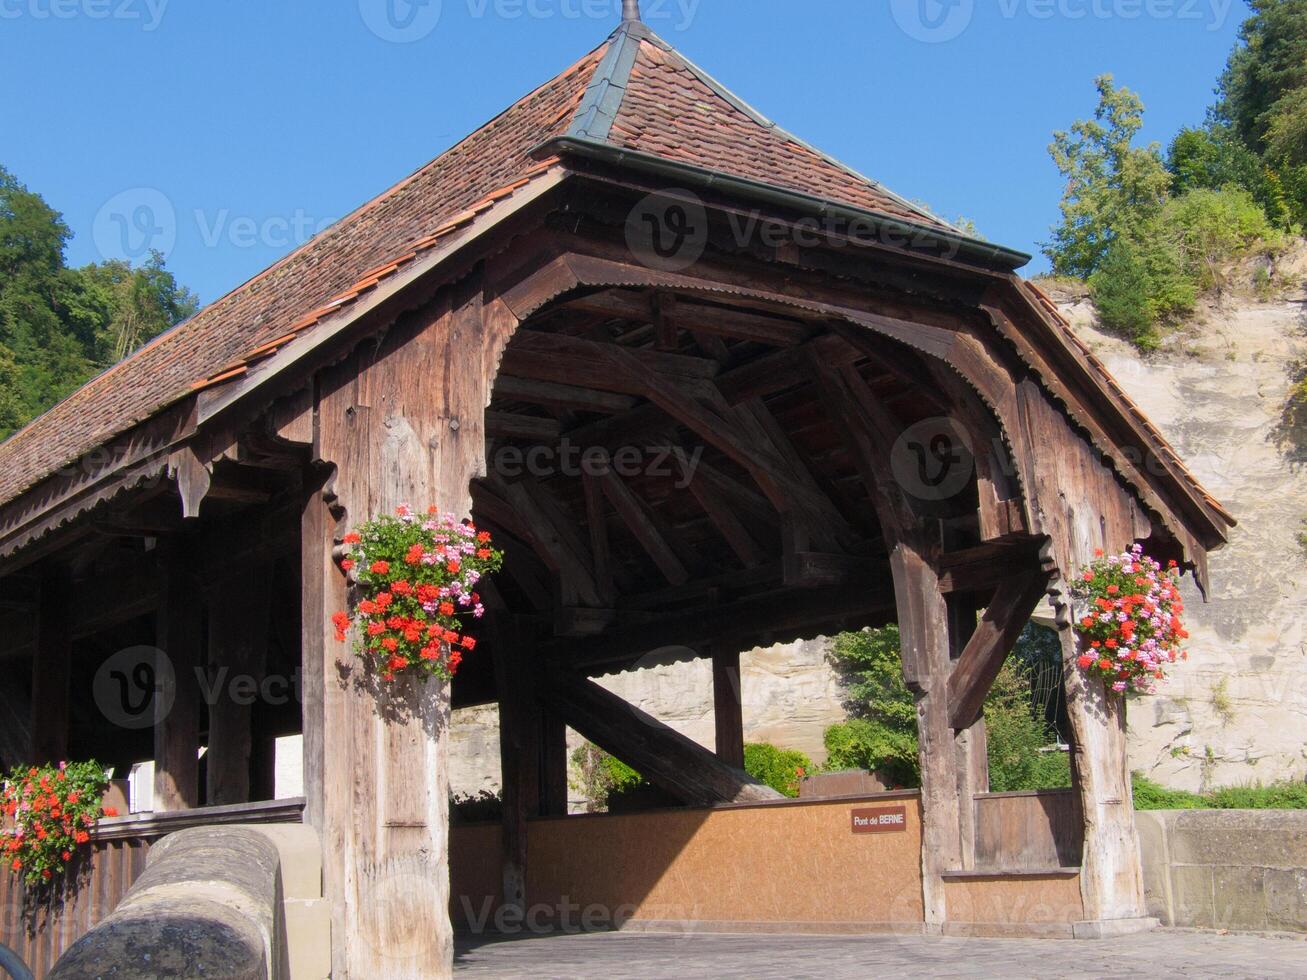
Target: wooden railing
[39,927]
[1028,831]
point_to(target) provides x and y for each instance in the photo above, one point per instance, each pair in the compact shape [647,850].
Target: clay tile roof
[349,258]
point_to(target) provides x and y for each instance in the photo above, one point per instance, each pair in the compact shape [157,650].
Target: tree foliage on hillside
[60,326]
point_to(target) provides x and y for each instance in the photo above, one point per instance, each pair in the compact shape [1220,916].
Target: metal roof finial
[631,11]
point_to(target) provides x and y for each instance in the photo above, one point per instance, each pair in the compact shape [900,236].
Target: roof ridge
[720,89]
[603,97]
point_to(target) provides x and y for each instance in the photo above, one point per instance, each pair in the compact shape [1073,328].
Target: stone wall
[1226,869]
[1236,713]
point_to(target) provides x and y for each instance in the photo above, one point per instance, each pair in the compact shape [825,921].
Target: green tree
[1263,94]
[1112,186]
[881,735]
[781,769]
[60,326]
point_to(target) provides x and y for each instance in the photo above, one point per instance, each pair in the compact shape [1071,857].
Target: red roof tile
[221,337]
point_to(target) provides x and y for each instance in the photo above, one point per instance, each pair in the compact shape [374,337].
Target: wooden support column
[923,627]
[51,671]
[519,748]
[238,645]
[179,627]
[1111,878]
[553,764]
[727,707]
[401,421]
[972,742]
[15,719]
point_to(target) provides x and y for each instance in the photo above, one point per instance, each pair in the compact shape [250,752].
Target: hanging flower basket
[418,578]
[1128,616]
[50,812]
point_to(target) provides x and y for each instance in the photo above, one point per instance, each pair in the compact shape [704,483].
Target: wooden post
[553,764]
[972,742]
[1111,877]
[179,635]
[923,627]
[519,749]
[238,644]
[399,422]
[727,707]
[51,671]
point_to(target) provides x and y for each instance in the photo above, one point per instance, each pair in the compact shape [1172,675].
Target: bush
[1213,227]
[862,744]
[1278,796]
[780,769]
[599,776]
[1017,736]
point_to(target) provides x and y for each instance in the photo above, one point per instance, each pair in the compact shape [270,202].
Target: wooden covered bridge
[835,409]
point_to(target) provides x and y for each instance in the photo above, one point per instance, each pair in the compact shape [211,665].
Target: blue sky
[248,124]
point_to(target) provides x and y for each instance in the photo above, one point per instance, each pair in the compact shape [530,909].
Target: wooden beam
[51,671]
[726,520]
[519,748]
[562,397]
[923,628]
[986,566]
[644,527]
[1007,615]
[719,321]
[553,764]
[179,633]
[596,520]
[785,615]
[663,756]
[509,425]
[728,714]
[554,536]
[238,641]
[15,718]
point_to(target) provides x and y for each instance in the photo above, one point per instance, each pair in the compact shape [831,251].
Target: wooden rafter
[644,526]
[1007,615]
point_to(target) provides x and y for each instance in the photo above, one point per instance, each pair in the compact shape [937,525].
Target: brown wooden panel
[1025,831]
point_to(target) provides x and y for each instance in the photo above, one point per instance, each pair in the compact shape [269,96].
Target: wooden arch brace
[665,757]
[1007,615]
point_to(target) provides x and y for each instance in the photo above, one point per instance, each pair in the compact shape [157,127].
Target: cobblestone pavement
[611,956]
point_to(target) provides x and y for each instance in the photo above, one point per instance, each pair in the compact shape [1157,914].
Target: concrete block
[1286,899]
[1239,898]
[1192,897]
[1154,850]
[308,939]
[1256,838]
[300,851]
[1111,928]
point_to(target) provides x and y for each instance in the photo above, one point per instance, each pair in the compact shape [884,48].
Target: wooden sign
[881,820]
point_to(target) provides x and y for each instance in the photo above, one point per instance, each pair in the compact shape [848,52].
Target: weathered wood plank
[179,632]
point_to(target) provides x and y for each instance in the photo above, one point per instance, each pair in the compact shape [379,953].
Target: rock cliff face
[1237,711]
